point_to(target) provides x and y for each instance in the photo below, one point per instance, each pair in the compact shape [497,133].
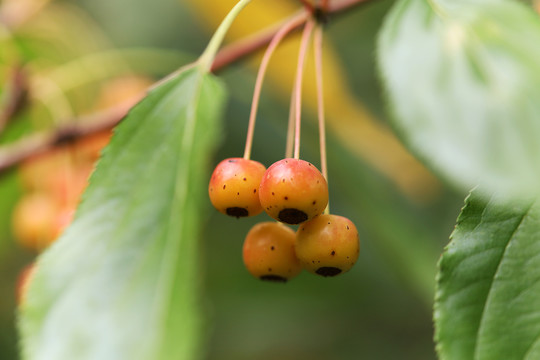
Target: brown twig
[41,142]
[11,155]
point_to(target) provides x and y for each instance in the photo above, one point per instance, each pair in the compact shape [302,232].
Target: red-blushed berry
[269,254]
[293,191]
[327,245]
[234,187]
[23,281]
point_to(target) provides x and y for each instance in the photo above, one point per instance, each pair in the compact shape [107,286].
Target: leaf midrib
[171,244]
[490,291]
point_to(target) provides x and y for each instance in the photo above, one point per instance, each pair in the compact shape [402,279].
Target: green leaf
[463,81]
[123,281]
[487,303]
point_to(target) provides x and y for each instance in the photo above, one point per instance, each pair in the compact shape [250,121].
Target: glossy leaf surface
[488,292]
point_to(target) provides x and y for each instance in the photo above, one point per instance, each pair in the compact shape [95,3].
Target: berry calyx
[293,191]
[268,252]
[327,245]
[234,187]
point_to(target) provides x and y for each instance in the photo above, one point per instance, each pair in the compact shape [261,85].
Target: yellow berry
[327,245]
[268,252]
[234,187]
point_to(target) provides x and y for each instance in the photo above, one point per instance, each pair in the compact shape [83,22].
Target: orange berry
[62,220]
[268,252]
[293,191]
[234,187]
[327,245]
[89,147]
[23,282]
[46,171]
[33,220]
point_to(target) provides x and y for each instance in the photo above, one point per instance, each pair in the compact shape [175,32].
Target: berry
[89,147]
[34,220]
[62,220]
[268,252]
[327,245]
[234,187]
[293,191]
[23,282]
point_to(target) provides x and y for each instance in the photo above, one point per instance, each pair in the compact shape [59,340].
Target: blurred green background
[381,309]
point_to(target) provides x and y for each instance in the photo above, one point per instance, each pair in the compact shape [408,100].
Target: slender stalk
[309,7]
[247,46]
[290,126]
[318,45]
[11,155]
[306,35]
[324,5]
[209,54]
[288,27]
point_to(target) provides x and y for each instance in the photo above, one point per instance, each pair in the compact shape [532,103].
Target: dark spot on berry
[347,257]
[237,193]
[292,216]
[286,198]
[272,248]
[269,269]
[224,186]
[314,202]
[286,161]
[273,278]
[328,271]
[232,161]
[329,223]
[333,253]
[309,164]
[282,180]
[254,191]
[273,193]
[237,212]
[313,261]
[318,181]
[245,179]
[347,227]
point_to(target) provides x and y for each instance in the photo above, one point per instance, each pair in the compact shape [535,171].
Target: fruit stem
[290,127]
[318,45]
[209,54]
[309,7]
[282,32]
[306,35]
[324,5]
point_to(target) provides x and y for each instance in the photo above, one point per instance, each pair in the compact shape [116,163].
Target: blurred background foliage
[73,51]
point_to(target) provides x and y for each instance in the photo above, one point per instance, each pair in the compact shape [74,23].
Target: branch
[35,144]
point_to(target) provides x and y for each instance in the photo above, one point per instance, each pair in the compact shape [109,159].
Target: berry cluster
[292,191]
[54,181]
